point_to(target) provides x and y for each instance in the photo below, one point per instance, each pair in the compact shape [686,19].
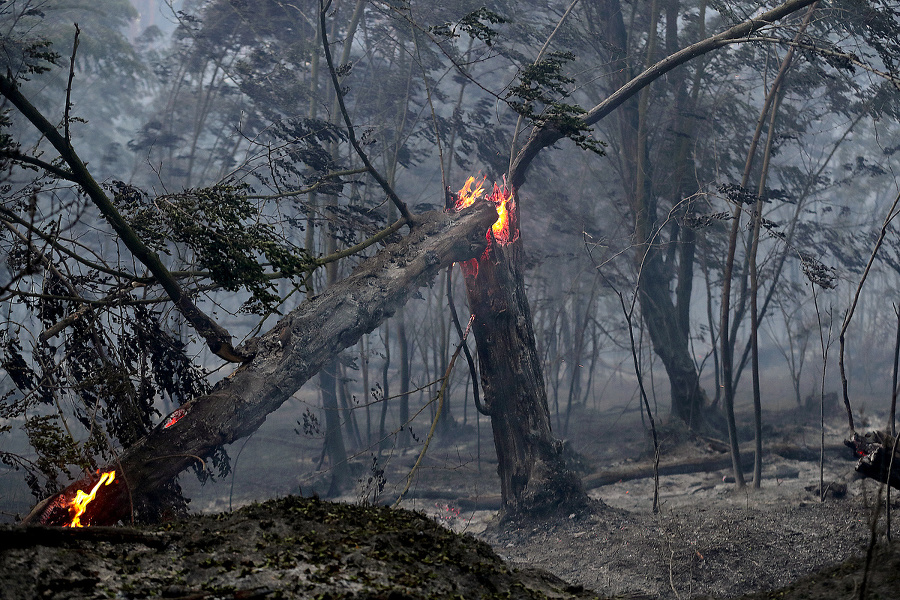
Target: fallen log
[679,467]
[644,470]
[701,464]
[285,358]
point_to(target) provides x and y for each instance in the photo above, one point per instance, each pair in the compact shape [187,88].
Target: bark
[534,480]
[670,343]
[876,452]
[286,357]
[666,318]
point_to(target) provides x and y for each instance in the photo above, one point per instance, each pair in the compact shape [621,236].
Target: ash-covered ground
[707,539]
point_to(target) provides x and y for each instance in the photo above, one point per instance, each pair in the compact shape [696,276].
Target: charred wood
[873,451]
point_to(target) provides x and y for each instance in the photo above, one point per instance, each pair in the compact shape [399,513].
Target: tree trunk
[334,434]
[534,480]
[671,345]
[286,357]
[403,435]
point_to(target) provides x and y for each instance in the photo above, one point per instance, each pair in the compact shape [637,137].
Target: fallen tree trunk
[285,358]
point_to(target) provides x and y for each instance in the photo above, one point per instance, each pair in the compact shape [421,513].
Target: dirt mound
[288,548]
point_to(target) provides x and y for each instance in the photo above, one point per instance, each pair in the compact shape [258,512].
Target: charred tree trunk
[285,358]
[876,452]
[534,480]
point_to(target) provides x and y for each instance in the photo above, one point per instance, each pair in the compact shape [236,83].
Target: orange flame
[503,198]
[500,196]
[468,194]
[81,500]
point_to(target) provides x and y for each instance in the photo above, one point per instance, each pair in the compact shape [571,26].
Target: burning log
[873,451]
[79,504]
[285,358]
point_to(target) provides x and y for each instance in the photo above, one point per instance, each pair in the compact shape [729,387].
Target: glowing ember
[79,504]
[174,417]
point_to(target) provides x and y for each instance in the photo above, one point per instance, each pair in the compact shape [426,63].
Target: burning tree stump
[534,480]
[285,358]
[873,451]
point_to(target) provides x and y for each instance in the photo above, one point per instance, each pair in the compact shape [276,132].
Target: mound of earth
[287,548]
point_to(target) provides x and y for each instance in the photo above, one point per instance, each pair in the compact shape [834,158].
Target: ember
[81,500]
[174,417]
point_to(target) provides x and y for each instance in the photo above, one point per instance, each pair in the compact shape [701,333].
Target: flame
[81,500]
[503,198]
[468,195]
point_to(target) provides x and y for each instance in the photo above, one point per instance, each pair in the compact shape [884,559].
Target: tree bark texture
[534,480]
[286,357]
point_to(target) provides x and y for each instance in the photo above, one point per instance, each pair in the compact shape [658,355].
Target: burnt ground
[288,548]
[708,539]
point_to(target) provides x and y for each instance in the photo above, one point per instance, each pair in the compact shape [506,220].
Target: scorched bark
[534,480]
[286,357]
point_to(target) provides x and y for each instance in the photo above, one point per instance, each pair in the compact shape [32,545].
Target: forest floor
[708,538]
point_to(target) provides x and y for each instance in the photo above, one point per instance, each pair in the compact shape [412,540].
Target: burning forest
[608,285]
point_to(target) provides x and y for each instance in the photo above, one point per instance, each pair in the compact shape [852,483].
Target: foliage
[226,233]
[535,98]
[110,383]
[476,24]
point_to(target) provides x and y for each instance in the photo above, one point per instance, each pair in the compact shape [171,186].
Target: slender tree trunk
[383,442]
[366,394]
[334,438]
[403,437]
[347,402]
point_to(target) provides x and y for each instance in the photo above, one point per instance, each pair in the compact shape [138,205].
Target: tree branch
[351,132]
[217,337]
[30,160]
[311,188]
[550,134]
[286,357]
